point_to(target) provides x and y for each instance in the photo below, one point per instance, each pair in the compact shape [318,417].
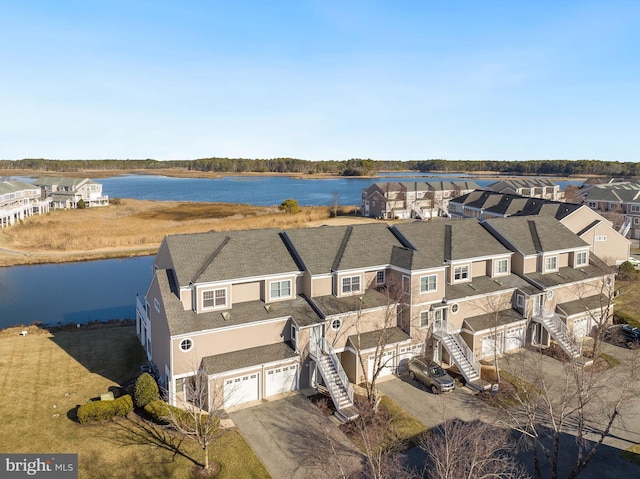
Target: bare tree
[564,399]
[197,417]
[458,449]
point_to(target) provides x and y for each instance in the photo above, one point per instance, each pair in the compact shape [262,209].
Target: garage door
[580,327]
[513,339]
[387,360]
[281,380]
[241,389]
[491,347]
[407,353]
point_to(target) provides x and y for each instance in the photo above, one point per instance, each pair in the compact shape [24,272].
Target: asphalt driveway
[295,440]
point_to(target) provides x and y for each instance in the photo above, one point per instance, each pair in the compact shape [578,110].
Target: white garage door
[386,360]
[281,380]
[580,327]
[241,389]
[407,352]
[513,339]
[492,346]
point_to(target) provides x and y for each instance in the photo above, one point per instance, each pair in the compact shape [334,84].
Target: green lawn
[44,377]
[627,303]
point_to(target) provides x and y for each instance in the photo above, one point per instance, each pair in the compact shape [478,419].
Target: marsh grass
[45,376]
[136,227]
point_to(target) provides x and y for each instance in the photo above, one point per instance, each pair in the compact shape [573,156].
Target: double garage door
[506,341]
[242,389]
[387,359]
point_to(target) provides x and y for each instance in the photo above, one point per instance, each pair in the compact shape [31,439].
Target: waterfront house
[65,193]
[266,312]
[530,187]
[619,202]
[19,200]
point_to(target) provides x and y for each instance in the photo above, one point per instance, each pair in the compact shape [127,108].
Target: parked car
[631,335]
[431,375]
[634,261]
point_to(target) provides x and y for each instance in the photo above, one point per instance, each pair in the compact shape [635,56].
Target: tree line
[351,167]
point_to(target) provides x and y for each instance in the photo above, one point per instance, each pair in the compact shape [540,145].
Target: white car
[634,261]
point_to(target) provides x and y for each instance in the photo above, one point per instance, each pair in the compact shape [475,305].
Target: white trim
[228,328]
[247,279]
[282,280]
[189,348]
[250,369]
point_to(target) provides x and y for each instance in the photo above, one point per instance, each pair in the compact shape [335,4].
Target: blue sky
[320,80]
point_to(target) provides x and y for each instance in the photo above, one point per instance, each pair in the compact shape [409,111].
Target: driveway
[461,403]
[295,440]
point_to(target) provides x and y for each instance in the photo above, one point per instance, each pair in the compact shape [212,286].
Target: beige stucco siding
[517,264]
[186,297]
[479,268]
[612,251]
[530,265]
[322,286]
[563,259]
[246,292]
[419,297]
[224,341]
[363,322]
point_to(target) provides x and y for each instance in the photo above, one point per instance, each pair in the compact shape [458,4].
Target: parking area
[295,440]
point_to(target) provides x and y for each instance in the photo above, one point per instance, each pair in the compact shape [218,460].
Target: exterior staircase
[335,379]
[461,355]
[624,229]
[558,331]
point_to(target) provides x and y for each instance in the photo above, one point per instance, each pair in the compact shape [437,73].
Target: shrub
[103,410]
[145,390]
[290,206]
[81,204]
[158,411]
[627,271]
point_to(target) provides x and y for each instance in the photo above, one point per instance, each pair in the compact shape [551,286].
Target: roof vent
[268,307]
[226,316]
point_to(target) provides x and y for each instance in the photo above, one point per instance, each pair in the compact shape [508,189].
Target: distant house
[412,199]
[19,200]
[605,240]
[65,193]
[531,187]
[620,200]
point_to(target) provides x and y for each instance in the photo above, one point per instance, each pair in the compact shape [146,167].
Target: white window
[351,284]
[550,263]
[455,308]
[156,303]
[501,266]
[636,221]
[424,319]
[428,283]
[186,345]
[461,273]
[281,289]
[437,314]
[601,238]
[336,324]
[380,277]
[634,208]
[406,284]
[214,298]
[592,204]
[520,300]
[581,258]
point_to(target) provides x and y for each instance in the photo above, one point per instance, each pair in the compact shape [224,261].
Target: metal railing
[445,329]
[323,346]
[564,339]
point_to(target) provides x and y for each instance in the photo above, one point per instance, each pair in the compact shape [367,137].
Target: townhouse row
[262,312]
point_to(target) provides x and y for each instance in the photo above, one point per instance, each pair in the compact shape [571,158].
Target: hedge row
[160,412]
[102,410]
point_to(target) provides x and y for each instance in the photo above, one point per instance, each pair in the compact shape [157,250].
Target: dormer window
[214,298]
[461,273]
[501,267]
[281,289]
[380,277]
[351,284]
[581,259]
[550,264]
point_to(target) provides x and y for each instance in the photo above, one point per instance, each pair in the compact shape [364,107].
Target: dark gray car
[431,375]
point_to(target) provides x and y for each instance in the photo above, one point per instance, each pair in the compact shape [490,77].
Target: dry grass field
[136,227]
[43,376]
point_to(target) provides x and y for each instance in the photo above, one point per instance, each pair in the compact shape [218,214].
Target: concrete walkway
[295,440]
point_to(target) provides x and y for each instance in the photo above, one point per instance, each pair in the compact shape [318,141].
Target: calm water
[72,292]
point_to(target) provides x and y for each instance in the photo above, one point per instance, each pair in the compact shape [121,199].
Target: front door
[316,336]
[538,302]
[536,333]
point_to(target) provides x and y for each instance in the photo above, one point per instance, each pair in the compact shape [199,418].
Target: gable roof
[613,192]
[334,248]
[72,182]
[515,184]
[221,256]
[448,240]
[12,186]
[535,234]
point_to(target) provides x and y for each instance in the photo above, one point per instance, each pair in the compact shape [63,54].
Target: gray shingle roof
[615,192]
[245,358]
[565,275]
[535,234]
[591,303]
[386,336]
[485,285]
[492,320]
[221,256]
[72,182]
[514,184]
[12,186]
[331,305]
[334,248]
[448,240]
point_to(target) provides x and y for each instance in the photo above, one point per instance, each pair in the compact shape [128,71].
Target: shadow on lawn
[110,349]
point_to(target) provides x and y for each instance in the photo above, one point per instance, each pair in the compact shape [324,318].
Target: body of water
[73,292]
